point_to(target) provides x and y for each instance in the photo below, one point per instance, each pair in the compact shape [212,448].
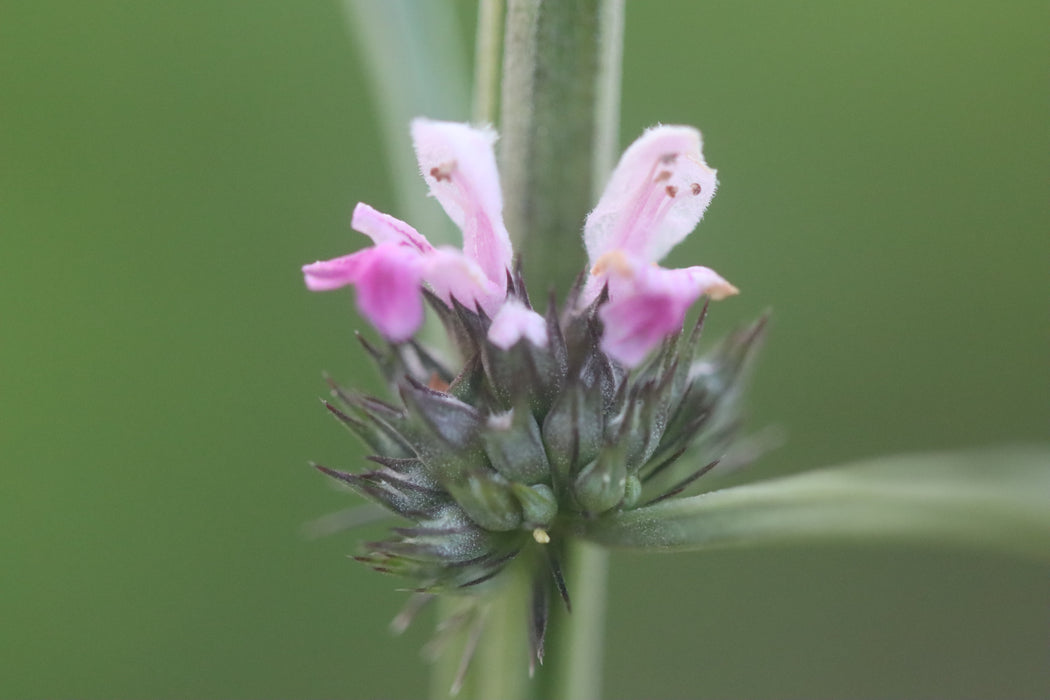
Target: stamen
[443,171]
[541,536]
[437,383]
[663,204]
[696,188]
[614,261]
[671,190]
[648,205]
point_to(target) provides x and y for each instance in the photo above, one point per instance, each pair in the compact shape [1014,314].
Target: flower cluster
[656,196]
[547,419]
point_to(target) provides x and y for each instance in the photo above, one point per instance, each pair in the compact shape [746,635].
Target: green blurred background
[166,167]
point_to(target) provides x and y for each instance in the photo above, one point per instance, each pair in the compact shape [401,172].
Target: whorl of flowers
[549,417]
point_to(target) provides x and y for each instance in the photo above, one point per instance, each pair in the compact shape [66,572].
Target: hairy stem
[486,61]
[560,131]
[573,669]
[559,123]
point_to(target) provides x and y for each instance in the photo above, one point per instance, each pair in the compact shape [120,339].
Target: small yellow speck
[613,261]
[541,536]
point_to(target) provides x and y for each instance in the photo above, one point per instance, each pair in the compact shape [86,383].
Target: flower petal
[388,279]
[383,228]
[458,164]
[389,292]
[655,197]
[647,303]
[451,274]
[324,275]
[513,322]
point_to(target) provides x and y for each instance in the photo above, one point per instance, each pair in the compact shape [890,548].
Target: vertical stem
[607,98]
[486,61]
[560,130]
[575,642]
[558,122]
[577,665]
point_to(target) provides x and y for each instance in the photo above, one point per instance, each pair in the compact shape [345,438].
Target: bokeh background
[166,167]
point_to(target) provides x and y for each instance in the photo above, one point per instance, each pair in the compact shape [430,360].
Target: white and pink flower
[457,162]
[656,196]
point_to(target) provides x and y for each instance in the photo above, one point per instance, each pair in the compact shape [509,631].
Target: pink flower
[656,196]
[514,322]
[458,164]
[387,277]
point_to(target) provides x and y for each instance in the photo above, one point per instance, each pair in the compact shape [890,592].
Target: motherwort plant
[545,423]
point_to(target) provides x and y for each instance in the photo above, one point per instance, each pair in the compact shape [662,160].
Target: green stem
[575,642]
[486,61]
[607,95]
[559,123]
[559,126]
[560,133]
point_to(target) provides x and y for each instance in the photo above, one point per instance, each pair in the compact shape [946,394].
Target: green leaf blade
[996,499]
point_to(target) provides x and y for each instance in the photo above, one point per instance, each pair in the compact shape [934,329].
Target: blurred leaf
[996,498]
[416,61]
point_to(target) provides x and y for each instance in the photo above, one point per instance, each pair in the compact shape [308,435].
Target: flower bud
[539,505]
[514,446]
[573,430]
[632,492]
[488,499]
[600,485]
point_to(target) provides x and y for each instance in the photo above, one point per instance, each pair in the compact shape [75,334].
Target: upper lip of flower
[655,197]
[458,163]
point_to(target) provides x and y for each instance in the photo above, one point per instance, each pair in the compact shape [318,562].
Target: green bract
[519,448]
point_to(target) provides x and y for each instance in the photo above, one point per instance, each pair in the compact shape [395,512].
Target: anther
[668,158]
[443,171]
[671,190]
[541,536]
[437,383]
[614,261]
[662,176]
[696,188]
